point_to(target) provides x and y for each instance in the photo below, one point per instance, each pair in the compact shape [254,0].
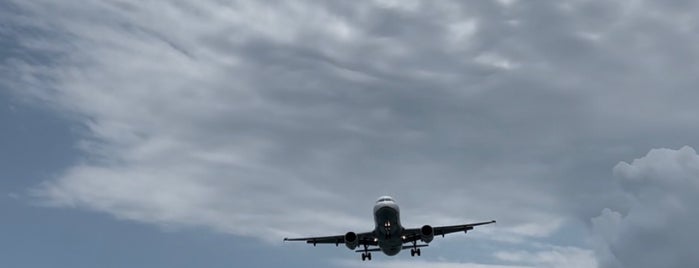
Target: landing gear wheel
[417,251]
[363,257]
[368,256]
[412,252]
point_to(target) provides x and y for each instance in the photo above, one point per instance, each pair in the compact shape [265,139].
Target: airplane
[388,234]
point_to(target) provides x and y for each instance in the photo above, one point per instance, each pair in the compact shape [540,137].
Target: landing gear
[366,255]
[415,250]
[387,228]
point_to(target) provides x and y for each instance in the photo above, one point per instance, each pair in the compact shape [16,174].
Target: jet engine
[351,240]
[426,233]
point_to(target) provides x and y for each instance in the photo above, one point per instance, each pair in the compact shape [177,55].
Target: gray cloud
[267,120]
[551,257]
[541,257]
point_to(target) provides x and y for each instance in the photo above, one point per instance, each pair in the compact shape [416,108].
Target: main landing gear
[366,255]
[415,250]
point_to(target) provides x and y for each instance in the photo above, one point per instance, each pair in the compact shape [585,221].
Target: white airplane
[389,235]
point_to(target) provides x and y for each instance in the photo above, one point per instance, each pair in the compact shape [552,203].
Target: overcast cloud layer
[289,118]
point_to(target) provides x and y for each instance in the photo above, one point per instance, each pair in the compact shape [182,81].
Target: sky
[189,134]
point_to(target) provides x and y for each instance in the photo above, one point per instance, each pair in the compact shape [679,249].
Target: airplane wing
[367,238]
[413,234]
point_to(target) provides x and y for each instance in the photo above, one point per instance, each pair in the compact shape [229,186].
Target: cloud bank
[270,120]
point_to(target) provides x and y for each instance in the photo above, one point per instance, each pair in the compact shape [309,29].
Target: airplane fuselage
[388,228]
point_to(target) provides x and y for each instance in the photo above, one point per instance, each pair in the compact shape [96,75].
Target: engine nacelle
[426,233]
[351,240]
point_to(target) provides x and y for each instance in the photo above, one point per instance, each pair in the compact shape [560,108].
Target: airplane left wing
[442,230]
[413,234]
[367,238]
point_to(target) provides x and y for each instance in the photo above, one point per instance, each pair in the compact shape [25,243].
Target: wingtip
[286,239]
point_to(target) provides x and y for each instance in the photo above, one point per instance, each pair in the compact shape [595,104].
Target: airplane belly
[391,247]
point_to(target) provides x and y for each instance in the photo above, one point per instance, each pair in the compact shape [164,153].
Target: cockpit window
[385,199]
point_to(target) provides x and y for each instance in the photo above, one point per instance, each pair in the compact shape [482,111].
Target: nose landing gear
[387,229]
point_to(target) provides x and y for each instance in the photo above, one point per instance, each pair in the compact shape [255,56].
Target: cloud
[543,257]
[419,263]
[552,257]
[658,229]
[220,121]
[272,120]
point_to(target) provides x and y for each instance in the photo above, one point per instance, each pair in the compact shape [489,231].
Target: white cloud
[494,60]
[659,227]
